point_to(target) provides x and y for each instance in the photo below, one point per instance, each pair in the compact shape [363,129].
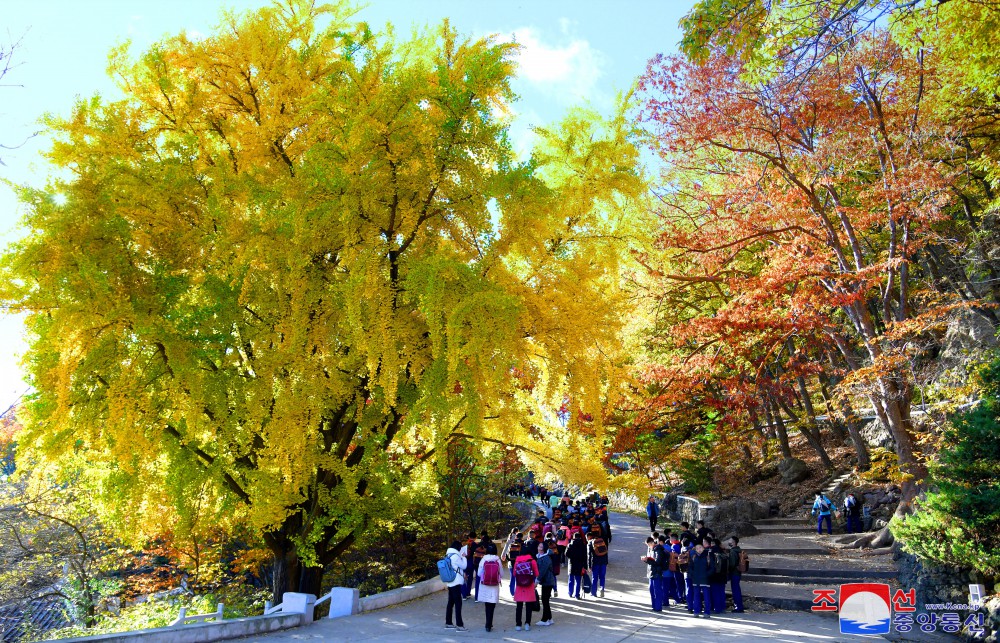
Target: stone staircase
[788,560]
[831,489]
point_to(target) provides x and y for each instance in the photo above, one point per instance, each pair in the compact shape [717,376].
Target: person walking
[597,562]
[490,576]
[822,508]
[547,560]
[557,560]
[525,575]
[852,512]
[653,513]
[737,565]
[653,573]
[576,556]
[458,563]
[698,570]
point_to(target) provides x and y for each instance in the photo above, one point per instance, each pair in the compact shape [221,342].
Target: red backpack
[524,575]
[491,573]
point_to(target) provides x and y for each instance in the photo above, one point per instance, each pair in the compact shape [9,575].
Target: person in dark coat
[718,576]
[735,574]
[652,512]
[698,570]
[546,559]
[576,556]
[654,570]
[852,512]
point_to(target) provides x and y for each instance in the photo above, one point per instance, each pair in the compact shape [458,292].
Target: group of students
[575,535]
[693,568]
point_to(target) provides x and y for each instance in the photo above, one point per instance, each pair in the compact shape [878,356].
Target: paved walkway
[623,615]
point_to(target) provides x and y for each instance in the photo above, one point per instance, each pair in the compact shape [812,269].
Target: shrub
[958,523]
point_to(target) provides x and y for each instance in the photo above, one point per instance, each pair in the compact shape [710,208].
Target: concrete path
[623,615]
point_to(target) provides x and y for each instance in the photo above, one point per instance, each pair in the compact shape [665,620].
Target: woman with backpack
[525,573]
[490,574]
[457,563]
[546,579]
[824,507]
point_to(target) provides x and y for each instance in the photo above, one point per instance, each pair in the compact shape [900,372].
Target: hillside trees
[959,519]
[296,261]
[809,203]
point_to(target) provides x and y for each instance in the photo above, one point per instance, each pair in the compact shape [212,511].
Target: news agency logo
[865,609]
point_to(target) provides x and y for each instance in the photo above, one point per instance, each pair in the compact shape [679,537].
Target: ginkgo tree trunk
[297,259]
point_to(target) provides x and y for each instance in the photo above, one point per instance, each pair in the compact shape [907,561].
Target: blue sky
[573,52]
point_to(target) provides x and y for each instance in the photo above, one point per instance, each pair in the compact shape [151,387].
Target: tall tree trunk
[851,418]
[764,451]
[809,429]
[838,427]
[774,420]
[812,432]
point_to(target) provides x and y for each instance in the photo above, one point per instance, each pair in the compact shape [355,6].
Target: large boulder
[876,435]
[735,517]
[668,505]
[793,470]
[969,333]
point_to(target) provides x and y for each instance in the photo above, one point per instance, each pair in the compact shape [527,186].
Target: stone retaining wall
[201,632]
[400,595]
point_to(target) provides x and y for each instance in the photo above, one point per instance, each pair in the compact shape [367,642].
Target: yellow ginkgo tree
[298,259]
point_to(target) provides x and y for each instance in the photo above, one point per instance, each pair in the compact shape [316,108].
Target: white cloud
[568,71]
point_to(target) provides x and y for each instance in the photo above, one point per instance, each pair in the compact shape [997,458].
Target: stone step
[798,550]
[815,578]
[798,527]
[792,521]
[839,572]
[786,597]
[789,596]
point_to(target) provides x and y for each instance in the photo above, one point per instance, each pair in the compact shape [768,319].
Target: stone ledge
[400,595]
[200,632]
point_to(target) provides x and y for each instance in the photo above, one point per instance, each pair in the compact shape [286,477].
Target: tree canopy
[298,259]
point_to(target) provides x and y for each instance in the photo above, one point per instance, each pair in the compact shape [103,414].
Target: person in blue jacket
[653,513]
[698,570]
[822,508]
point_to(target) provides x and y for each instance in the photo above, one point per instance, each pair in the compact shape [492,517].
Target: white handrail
[183,618]
[271,609]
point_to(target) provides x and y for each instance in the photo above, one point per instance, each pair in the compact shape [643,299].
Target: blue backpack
[446,570]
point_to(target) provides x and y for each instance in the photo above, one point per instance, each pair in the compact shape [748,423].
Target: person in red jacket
[525,575]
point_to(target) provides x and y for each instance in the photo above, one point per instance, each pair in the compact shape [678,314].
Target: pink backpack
[491,573]
[524,575]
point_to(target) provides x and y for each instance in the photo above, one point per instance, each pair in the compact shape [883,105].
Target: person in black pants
[547,581]
[653,513]
[458,563]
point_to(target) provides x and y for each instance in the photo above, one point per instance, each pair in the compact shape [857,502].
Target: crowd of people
[566,535]
[689,567]
[692,568]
